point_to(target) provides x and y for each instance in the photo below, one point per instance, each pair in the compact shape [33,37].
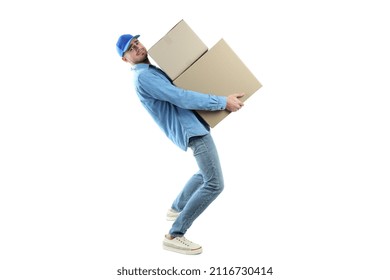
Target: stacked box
[177,50]
[187,61]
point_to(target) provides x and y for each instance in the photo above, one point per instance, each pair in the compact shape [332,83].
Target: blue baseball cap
[124,42]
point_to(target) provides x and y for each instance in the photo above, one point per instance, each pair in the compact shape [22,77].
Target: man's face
[136,53]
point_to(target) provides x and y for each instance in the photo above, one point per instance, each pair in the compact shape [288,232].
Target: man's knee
[216,186]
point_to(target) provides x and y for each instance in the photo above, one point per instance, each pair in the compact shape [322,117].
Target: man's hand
[233,102]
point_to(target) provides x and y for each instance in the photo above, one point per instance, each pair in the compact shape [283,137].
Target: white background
[86,176]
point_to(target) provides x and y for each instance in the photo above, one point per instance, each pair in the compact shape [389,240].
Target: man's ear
[124,59]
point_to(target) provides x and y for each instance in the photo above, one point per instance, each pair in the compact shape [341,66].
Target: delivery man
[173,109]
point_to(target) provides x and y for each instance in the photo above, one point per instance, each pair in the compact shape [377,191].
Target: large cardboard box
[221,72]
[189,64]
[177,50]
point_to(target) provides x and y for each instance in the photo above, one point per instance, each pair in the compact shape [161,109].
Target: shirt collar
[140,66]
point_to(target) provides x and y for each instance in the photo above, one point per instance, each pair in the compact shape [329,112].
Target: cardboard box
[186,60]
[177,50]
[220,72]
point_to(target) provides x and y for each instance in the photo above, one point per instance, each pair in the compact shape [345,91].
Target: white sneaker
[181,245]
[172,214]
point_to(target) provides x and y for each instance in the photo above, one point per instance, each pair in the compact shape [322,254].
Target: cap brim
[128,44]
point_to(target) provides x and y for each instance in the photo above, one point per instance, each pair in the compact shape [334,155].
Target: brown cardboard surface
[177,50]
[221,72]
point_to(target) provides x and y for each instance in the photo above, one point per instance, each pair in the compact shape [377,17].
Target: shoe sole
[181,251]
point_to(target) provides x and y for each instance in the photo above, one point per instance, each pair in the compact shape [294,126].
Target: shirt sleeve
[156,86]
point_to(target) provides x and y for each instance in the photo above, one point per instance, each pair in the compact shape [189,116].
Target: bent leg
[206,156]
[193,184]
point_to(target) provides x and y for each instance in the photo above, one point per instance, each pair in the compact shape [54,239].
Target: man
[173,109]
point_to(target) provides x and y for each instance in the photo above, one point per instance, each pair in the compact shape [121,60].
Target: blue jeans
[202,188]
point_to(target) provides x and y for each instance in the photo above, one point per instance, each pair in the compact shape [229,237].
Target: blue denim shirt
[172,107]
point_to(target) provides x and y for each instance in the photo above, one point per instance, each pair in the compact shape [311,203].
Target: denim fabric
[202,188]
[171,107]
